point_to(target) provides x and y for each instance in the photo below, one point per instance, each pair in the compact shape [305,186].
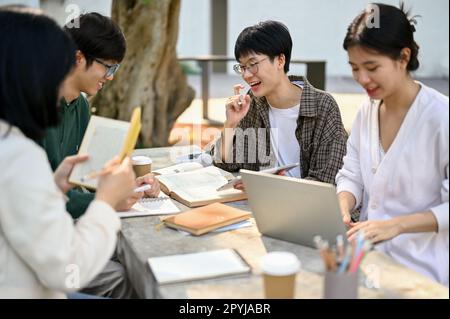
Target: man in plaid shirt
[282,119]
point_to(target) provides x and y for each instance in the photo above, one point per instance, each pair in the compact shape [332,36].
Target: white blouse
[412,176]
[42,253]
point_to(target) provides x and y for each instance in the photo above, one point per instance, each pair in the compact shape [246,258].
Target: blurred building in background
[317,27]
[210,27]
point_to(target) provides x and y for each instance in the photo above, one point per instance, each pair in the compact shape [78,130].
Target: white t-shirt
[283,123]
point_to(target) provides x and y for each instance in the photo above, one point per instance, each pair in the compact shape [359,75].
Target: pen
[357,250]
[344,264]
[317,241]
[332,259]
[359,243]
[325,255]
[143,188]
[357,261]
[321,246]
[340,247]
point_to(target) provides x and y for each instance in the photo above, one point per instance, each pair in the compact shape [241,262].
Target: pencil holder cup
[340,286]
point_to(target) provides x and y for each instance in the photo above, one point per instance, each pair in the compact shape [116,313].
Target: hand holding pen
[237,107]
[117,182]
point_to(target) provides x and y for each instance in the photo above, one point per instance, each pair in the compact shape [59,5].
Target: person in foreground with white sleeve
[396,167]
[42,253]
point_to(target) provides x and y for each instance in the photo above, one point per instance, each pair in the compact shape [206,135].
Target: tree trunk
[150,75]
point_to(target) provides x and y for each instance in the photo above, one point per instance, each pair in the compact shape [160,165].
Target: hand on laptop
[346,218]
[346,203]
[240,185]
[282,173]
[375,231]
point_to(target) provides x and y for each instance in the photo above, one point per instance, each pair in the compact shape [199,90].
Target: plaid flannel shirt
[320,134]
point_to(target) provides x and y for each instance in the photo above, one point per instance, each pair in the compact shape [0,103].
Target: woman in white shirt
[396,167]
[42,253]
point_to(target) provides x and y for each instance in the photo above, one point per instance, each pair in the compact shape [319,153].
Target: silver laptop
[293,209]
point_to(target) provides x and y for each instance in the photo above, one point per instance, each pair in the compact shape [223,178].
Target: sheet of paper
[202,265]
[103,136]
[162,205]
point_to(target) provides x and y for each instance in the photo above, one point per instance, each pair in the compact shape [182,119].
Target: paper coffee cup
[279,272]
[142,165]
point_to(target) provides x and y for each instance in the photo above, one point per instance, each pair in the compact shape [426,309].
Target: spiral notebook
[151,206]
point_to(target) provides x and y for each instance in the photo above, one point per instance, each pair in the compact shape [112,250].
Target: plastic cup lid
[279,263]
[141,160]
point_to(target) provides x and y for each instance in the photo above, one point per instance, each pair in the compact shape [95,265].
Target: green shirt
[64,140]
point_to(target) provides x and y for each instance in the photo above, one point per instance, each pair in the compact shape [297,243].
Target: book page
[102,141]
[202,265]
[199,185]
[179,168]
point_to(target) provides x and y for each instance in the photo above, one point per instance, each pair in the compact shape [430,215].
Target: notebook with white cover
[162,205]
[195,266]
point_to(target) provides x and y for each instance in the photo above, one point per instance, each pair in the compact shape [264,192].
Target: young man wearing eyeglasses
[101,47]
[282,119]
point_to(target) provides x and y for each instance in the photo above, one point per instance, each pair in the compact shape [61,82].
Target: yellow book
[105,138]
[132,135]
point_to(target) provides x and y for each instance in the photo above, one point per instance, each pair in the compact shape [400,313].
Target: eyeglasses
[110,69]
[252,67]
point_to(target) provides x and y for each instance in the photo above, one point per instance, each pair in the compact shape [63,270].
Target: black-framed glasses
[110,69]
[252,67]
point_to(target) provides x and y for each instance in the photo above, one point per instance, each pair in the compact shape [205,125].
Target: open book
[104,138]
[195,185]
[196,266]
[204,219]
[178,168]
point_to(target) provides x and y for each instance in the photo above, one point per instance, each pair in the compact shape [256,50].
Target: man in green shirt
[64,140]
[101,47]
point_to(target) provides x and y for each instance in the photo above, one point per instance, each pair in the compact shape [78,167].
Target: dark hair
[271,38]
[97,36]
[30,80]
[394,33]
